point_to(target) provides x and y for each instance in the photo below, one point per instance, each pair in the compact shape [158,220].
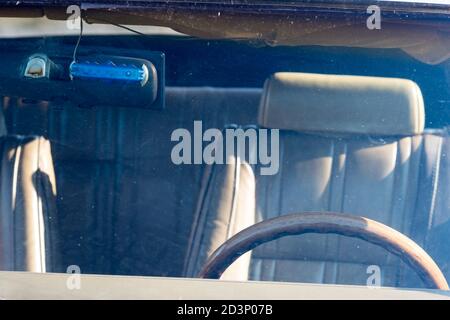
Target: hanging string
[75,51]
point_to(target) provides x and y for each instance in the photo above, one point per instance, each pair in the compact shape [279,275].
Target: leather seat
[27,207]
[348,144]
[123,206]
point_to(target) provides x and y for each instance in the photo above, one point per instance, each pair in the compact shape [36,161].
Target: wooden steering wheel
[326,222]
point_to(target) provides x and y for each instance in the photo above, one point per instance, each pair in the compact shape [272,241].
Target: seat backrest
[27,206]
[347,144]
[123,206]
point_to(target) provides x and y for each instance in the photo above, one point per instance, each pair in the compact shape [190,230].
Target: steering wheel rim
[326,222]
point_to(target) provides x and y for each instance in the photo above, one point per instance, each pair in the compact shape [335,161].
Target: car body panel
[22,285]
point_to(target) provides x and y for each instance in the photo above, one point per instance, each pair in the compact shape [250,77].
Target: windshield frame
[332,7]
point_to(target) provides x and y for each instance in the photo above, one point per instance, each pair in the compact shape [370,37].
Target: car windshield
[300,141]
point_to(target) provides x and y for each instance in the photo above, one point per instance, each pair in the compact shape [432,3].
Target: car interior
[362,131]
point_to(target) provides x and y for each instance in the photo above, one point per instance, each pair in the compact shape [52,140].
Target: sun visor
[429,43]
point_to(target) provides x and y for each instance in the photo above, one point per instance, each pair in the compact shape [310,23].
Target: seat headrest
[342,104]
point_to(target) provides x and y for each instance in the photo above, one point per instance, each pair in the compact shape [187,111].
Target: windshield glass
[138,140]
